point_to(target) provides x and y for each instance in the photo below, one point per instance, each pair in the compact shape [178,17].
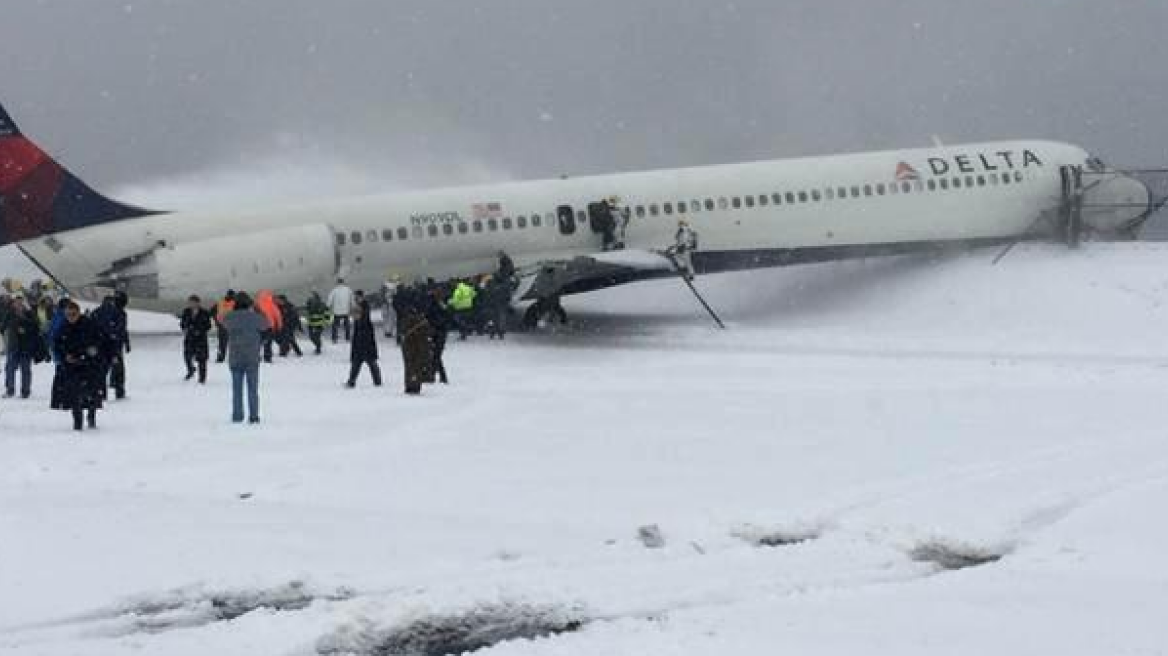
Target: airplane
[748,215]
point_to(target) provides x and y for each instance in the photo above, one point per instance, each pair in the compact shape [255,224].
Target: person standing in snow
[318,317]
[111,320]
[363,349]
[246,329]
[22,335]
[195,323]
[81,385]
[289,326]
[340,302]
[416,348]
[222,309]
[265,304]
[388,313]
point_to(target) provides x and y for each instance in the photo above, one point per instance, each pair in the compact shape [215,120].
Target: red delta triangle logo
[905,172]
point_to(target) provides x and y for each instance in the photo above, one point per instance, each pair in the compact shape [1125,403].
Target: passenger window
[1005,178]
[536,221]
[477,226]
[447,229]
[653,209]
[777,198]
[402,233]
[956,183]
[815,196]
[893,188]
[790,198]
[906,187]
[340,239]
[371,236]
[355,237]
[880,189]
[802,196]
[1017,176]
[841,193]
[695,206]
[418,232]
[749,200]
[668,207]
[506,223]
[432,230]
[723,204]
[521,222]
[387,235]
[919,186]
[969,181]
[736,203]
[462,228]
[763,200]
[709,204]
[944,183]
[640,211]
[581,216]
[855,192]
[981,180]
[492,225]
[932,185]
[867,190]
[829,194]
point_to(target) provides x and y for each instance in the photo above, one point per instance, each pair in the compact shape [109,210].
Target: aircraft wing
[587,273]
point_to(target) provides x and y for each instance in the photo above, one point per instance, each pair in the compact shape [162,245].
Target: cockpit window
[1095,165]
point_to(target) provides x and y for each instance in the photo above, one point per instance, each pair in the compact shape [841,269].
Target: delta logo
[906,173]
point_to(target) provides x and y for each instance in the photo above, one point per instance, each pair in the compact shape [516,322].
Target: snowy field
[902,456]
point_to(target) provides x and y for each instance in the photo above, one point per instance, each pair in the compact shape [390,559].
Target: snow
[859,416]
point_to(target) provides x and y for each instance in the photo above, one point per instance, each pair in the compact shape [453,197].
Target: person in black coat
[363,349]
[289,326]
[441,319]
[110,318]
[196,326]
[81,377]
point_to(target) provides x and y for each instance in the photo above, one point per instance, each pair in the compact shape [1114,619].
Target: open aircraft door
[566,218]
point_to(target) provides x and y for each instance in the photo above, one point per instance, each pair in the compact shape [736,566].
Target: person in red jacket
[265,302]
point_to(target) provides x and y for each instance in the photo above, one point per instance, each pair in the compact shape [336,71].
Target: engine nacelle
[290,260]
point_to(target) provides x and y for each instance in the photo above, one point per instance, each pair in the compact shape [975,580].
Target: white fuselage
[971,192]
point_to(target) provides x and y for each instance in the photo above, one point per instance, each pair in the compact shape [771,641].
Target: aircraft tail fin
[39,197]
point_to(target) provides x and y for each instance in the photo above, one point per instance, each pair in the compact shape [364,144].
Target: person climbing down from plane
[685,243]
[619,218]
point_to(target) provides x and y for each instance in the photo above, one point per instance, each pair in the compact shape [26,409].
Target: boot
[91,418]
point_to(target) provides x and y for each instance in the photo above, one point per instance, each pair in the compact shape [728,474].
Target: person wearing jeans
[246,328]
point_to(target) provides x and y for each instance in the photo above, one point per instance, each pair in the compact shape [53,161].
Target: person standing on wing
[340,302]
[246,328]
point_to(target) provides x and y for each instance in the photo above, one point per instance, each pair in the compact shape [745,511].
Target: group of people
[87,349]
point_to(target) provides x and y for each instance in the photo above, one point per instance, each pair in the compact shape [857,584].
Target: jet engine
[285,259]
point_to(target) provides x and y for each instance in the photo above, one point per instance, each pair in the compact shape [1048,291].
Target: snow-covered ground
[807,469]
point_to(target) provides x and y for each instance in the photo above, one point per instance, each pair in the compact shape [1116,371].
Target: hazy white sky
[423,92]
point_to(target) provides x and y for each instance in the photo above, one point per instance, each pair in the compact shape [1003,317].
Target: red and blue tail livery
[40,197]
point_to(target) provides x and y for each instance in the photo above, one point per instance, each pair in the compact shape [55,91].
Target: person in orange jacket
[266,305]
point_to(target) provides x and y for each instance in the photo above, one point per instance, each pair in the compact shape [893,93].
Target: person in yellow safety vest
[461,303]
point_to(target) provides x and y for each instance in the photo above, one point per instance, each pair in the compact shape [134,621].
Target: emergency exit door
[566,218]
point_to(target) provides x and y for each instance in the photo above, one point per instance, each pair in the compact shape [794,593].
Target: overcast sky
[426,92]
